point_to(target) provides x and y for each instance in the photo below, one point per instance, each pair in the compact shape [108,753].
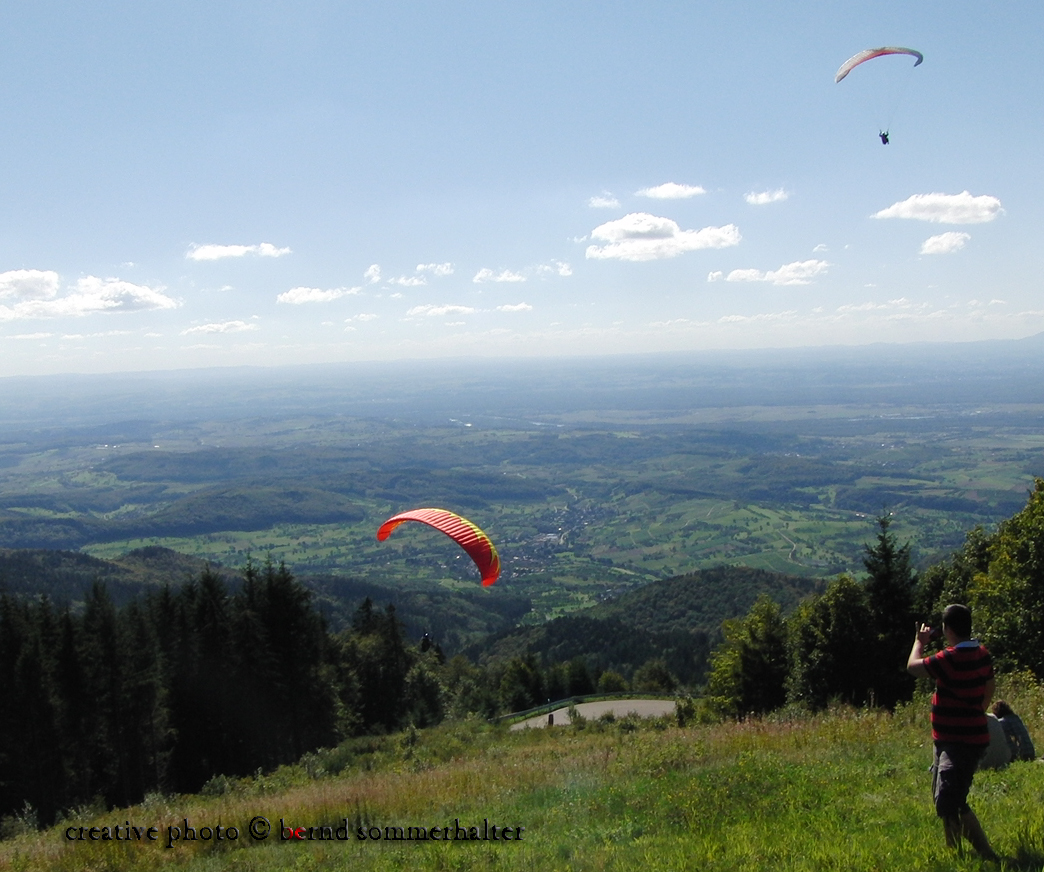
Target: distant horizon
[509,360]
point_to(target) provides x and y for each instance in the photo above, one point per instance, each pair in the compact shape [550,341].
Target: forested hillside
[456,617]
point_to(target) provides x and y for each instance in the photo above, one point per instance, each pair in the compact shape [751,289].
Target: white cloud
[29,284]
[365,316]
[820,248]
[557,267]
[606,201]
[432,310]
[766,197]
[798,273]
[32,336]
[487,275]
[960,208]
[373,273]
[266,249]
[516,307]
[870,306]
[299,296]
[437,269]
[89,295]
[945,243]
[671,191]
[408,281]
[641,236]
[715,275]
[763,316]
[218,252]
[224,327]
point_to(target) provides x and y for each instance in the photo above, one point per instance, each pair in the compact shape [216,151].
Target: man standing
[964,686]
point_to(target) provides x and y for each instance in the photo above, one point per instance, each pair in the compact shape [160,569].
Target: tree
[653,676]
[951,580]
[749,669]
[829,638]
[890,587]
[612,682]
[380,664]
[1008,599]
[521,685]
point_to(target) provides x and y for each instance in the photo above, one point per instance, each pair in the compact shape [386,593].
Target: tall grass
[845,790]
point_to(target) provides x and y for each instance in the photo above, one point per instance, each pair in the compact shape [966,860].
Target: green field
[579,510]
[845,789]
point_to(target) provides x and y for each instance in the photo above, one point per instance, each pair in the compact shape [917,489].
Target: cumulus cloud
[29,284]
[432,310]
[798,273]
[299,296]
[408,281]
[765,197]
[606,201]
[960,208]
[945,243]
[223,327]
[671,191]
[516,307]
[372,274]
[487,275]
[715,275]
[218,252]
[38,296]
[555,267]
[436,269]
[641,236]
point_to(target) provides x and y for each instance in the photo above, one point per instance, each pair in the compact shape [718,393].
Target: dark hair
[958,619]
[1001,709]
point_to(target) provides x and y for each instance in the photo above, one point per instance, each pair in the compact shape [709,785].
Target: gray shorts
[952,770]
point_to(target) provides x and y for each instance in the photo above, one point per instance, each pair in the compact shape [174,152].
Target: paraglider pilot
[884,137]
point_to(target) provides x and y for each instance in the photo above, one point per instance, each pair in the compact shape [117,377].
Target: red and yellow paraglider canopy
[469,537]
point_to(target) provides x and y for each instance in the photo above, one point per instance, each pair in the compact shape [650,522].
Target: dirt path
[646,708]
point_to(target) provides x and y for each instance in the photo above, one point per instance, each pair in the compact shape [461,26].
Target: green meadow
[844,789]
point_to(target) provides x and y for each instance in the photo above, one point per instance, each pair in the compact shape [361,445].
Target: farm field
[591,476]
[578,512]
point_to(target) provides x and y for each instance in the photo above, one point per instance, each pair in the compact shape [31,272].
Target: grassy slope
[844,790]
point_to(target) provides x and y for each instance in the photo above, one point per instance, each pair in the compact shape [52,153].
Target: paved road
[646,708]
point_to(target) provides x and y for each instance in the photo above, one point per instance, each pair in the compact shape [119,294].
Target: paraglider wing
[469,537]
[870,54]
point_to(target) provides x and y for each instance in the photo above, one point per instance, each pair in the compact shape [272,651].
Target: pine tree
[890,588]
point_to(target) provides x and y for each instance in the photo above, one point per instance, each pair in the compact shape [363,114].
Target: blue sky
[209,184]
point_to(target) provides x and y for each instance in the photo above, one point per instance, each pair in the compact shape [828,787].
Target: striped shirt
[960,675]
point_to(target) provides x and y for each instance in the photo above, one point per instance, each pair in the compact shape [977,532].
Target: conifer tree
[890,586]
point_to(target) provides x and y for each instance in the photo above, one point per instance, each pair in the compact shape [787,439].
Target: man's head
[958,619]
[1001,709]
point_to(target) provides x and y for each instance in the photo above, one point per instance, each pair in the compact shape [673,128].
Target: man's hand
[915,663]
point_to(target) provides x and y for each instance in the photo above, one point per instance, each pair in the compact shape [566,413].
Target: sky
[264,183]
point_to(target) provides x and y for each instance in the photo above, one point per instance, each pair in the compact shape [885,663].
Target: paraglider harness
[884,137]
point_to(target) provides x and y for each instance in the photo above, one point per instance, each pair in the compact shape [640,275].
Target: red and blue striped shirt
[960,674]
